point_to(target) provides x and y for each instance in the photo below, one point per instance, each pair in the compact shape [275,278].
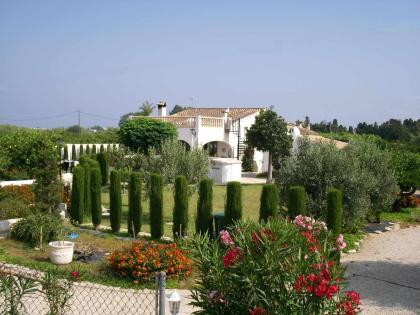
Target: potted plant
[61,252]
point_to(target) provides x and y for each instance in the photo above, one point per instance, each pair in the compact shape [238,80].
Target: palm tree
[146,109]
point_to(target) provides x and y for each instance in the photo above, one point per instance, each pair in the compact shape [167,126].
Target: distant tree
[351,129]
[144,133]
[307,122]
[124,118]
[269,133]
[146,109]
[74,129]
[178,108]
[96,128]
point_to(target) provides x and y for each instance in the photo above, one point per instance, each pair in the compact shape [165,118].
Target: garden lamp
[174,302]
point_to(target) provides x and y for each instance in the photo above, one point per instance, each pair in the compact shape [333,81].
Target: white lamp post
[174,302]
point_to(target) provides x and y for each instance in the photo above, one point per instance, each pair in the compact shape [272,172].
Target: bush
[115,201]
[80,151]
[87,192]
[156,205]
[204,220]
[248,163]
[269,205]
[135,263]
[102,158]
[16,202]
[233,208]
[134,204]
[94,149]
[73,153]
[66,152]
[101,149]
[141,134]
[334,210]
[88,149]
[77,194]
[95,196]
[29,229]
[259,269]
[361,171]
[180,213]
[296,201]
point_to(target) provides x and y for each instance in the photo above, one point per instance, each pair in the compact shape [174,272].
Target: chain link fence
[24,291]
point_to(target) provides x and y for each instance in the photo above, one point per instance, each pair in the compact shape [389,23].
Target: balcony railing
[190,121]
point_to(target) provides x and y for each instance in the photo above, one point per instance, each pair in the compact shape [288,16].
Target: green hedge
[334,210]
[115,201]
[156,205]
[296,201]
[180,213]
[204,221]
[77,194]
[269,203]
[95,196]
[134,204]
[233,208]
[102,159]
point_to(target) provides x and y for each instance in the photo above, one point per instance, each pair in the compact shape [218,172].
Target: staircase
[241,148]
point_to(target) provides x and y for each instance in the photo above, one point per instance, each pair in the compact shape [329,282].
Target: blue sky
[354,60]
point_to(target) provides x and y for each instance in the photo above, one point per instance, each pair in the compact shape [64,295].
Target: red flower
[75,276]
[258,311]
[231,256]
[321,288]
[332,289]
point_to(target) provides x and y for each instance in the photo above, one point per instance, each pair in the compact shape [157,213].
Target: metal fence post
[162,297]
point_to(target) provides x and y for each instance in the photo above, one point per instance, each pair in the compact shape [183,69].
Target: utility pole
[78,119]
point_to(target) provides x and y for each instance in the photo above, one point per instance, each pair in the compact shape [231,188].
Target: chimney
[161,108]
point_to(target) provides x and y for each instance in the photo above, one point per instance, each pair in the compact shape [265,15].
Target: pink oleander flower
[304,222]
[340,244]
[225,238]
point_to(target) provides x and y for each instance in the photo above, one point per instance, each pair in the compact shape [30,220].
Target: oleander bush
[279,267]
[143,260]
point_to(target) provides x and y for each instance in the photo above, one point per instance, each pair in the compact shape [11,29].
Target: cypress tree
[296,201]
[108,148]
[66,152]
[134,204]
[73,153]
[60,152]
[87,149]
[334,210]
[204,221]
[269,203]
[102,158]
[77,194]
[115,201]
[80,151]
[233,208]
[88,205]
[156,205]
[101,149]
[180,213]
[95,196]
[94,149]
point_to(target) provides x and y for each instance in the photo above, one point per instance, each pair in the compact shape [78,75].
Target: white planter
[61,252]
[6,224]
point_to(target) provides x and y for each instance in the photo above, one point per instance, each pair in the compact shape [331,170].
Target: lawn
[406,215]
[250,201]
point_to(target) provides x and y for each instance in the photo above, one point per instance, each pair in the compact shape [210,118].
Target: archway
[219,149]
[185,144]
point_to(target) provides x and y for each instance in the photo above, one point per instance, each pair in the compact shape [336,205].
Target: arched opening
[219,149]
[185,144]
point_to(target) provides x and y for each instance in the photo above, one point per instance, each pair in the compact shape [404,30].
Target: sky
[350,60]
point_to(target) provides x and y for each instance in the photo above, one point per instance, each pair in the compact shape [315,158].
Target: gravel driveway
[386,272]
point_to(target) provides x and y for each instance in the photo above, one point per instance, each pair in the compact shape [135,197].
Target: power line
[40,118]
[99,116]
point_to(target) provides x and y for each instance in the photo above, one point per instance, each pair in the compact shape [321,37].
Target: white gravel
[386,272]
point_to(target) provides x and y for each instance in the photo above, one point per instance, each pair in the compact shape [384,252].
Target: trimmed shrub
[66,152]
[108,148]
[95,196]
[94,149]
[115,201]
[87,149]
[233,208]
[101,149]
[334,210]
[156,205]
[80,151]
[269,203]
[248,163]
[296,201]
[77,194]
[180,213]
[134,204]
[87,195]
[73,152]
[29,229]
[204,221]
[102,158]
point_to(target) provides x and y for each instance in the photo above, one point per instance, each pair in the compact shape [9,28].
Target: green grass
[251,204]
[351,239]
[407,215]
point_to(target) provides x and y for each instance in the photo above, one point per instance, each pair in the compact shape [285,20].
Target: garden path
[386,272]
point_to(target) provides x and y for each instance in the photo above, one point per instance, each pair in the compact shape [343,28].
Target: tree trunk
[270,168]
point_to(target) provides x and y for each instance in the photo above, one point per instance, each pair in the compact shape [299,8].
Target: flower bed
[277,268]
[143,260]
